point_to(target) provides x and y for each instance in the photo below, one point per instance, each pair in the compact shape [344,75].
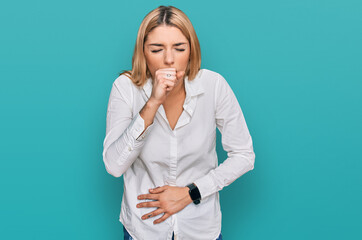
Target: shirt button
[129,149]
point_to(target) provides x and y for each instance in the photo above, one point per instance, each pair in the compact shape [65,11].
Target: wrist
[152,102]
[194,193]
[187,195]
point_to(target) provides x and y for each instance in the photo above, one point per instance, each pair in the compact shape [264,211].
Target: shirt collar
[192,88]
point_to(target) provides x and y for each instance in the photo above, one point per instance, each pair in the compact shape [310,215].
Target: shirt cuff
[138,127]
[206,185]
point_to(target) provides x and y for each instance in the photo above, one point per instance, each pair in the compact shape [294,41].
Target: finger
[173,73]
[153,213]
[168,84]
[148,204]
[166,69]
[163,73]
[148,196]
[159,189]
[168,81]
[172,77]
[161,219]
[163,77]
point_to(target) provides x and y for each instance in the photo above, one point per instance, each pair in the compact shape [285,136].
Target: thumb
[158,189]
[180,74]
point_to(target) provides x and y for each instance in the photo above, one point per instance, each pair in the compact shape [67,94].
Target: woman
[161,134]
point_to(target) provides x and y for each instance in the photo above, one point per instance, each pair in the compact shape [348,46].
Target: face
[166,47]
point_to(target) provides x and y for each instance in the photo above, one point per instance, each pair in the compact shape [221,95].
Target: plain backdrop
[295,67]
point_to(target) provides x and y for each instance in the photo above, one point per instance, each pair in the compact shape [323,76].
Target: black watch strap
[194,193]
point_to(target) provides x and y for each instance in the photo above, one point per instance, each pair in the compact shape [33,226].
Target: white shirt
[162,156]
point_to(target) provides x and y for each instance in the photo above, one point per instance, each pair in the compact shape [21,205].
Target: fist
[164,82]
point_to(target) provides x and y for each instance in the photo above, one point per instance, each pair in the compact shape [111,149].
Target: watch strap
[194,193]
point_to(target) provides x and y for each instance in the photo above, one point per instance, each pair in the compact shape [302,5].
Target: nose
[168,58]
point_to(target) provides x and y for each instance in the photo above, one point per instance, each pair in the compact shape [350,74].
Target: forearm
[226,173]
[148,111]
[121,152]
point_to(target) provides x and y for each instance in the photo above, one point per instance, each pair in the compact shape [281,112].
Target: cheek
[154,60]
[183,60]
[151,63]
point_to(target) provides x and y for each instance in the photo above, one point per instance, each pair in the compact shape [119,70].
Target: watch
[194,193]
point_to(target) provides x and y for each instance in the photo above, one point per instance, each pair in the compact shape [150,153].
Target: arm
[236,140]
[125,135]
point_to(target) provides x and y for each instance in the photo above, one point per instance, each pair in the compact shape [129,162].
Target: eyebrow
[161,45]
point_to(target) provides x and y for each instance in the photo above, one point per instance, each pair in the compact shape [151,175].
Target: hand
[168,200]
[163,85]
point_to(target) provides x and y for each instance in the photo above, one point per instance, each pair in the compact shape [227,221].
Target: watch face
[194,193]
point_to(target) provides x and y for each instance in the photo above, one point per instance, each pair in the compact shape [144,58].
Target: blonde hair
[169,16]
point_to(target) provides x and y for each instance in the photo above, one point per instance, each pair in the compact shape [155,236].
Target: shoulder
[210,79]
[123,82]
[123,88]
[125,85]
[214,82]
[207,74]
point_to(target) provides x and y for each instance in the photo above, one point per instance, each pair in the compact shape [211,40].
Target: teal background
[295,67]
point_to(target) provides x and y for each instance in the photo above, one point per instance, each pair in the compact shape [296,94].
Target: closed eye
[180,50]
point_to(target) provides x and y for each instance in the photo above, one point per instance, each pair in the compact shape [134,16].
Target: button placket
[173,160]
